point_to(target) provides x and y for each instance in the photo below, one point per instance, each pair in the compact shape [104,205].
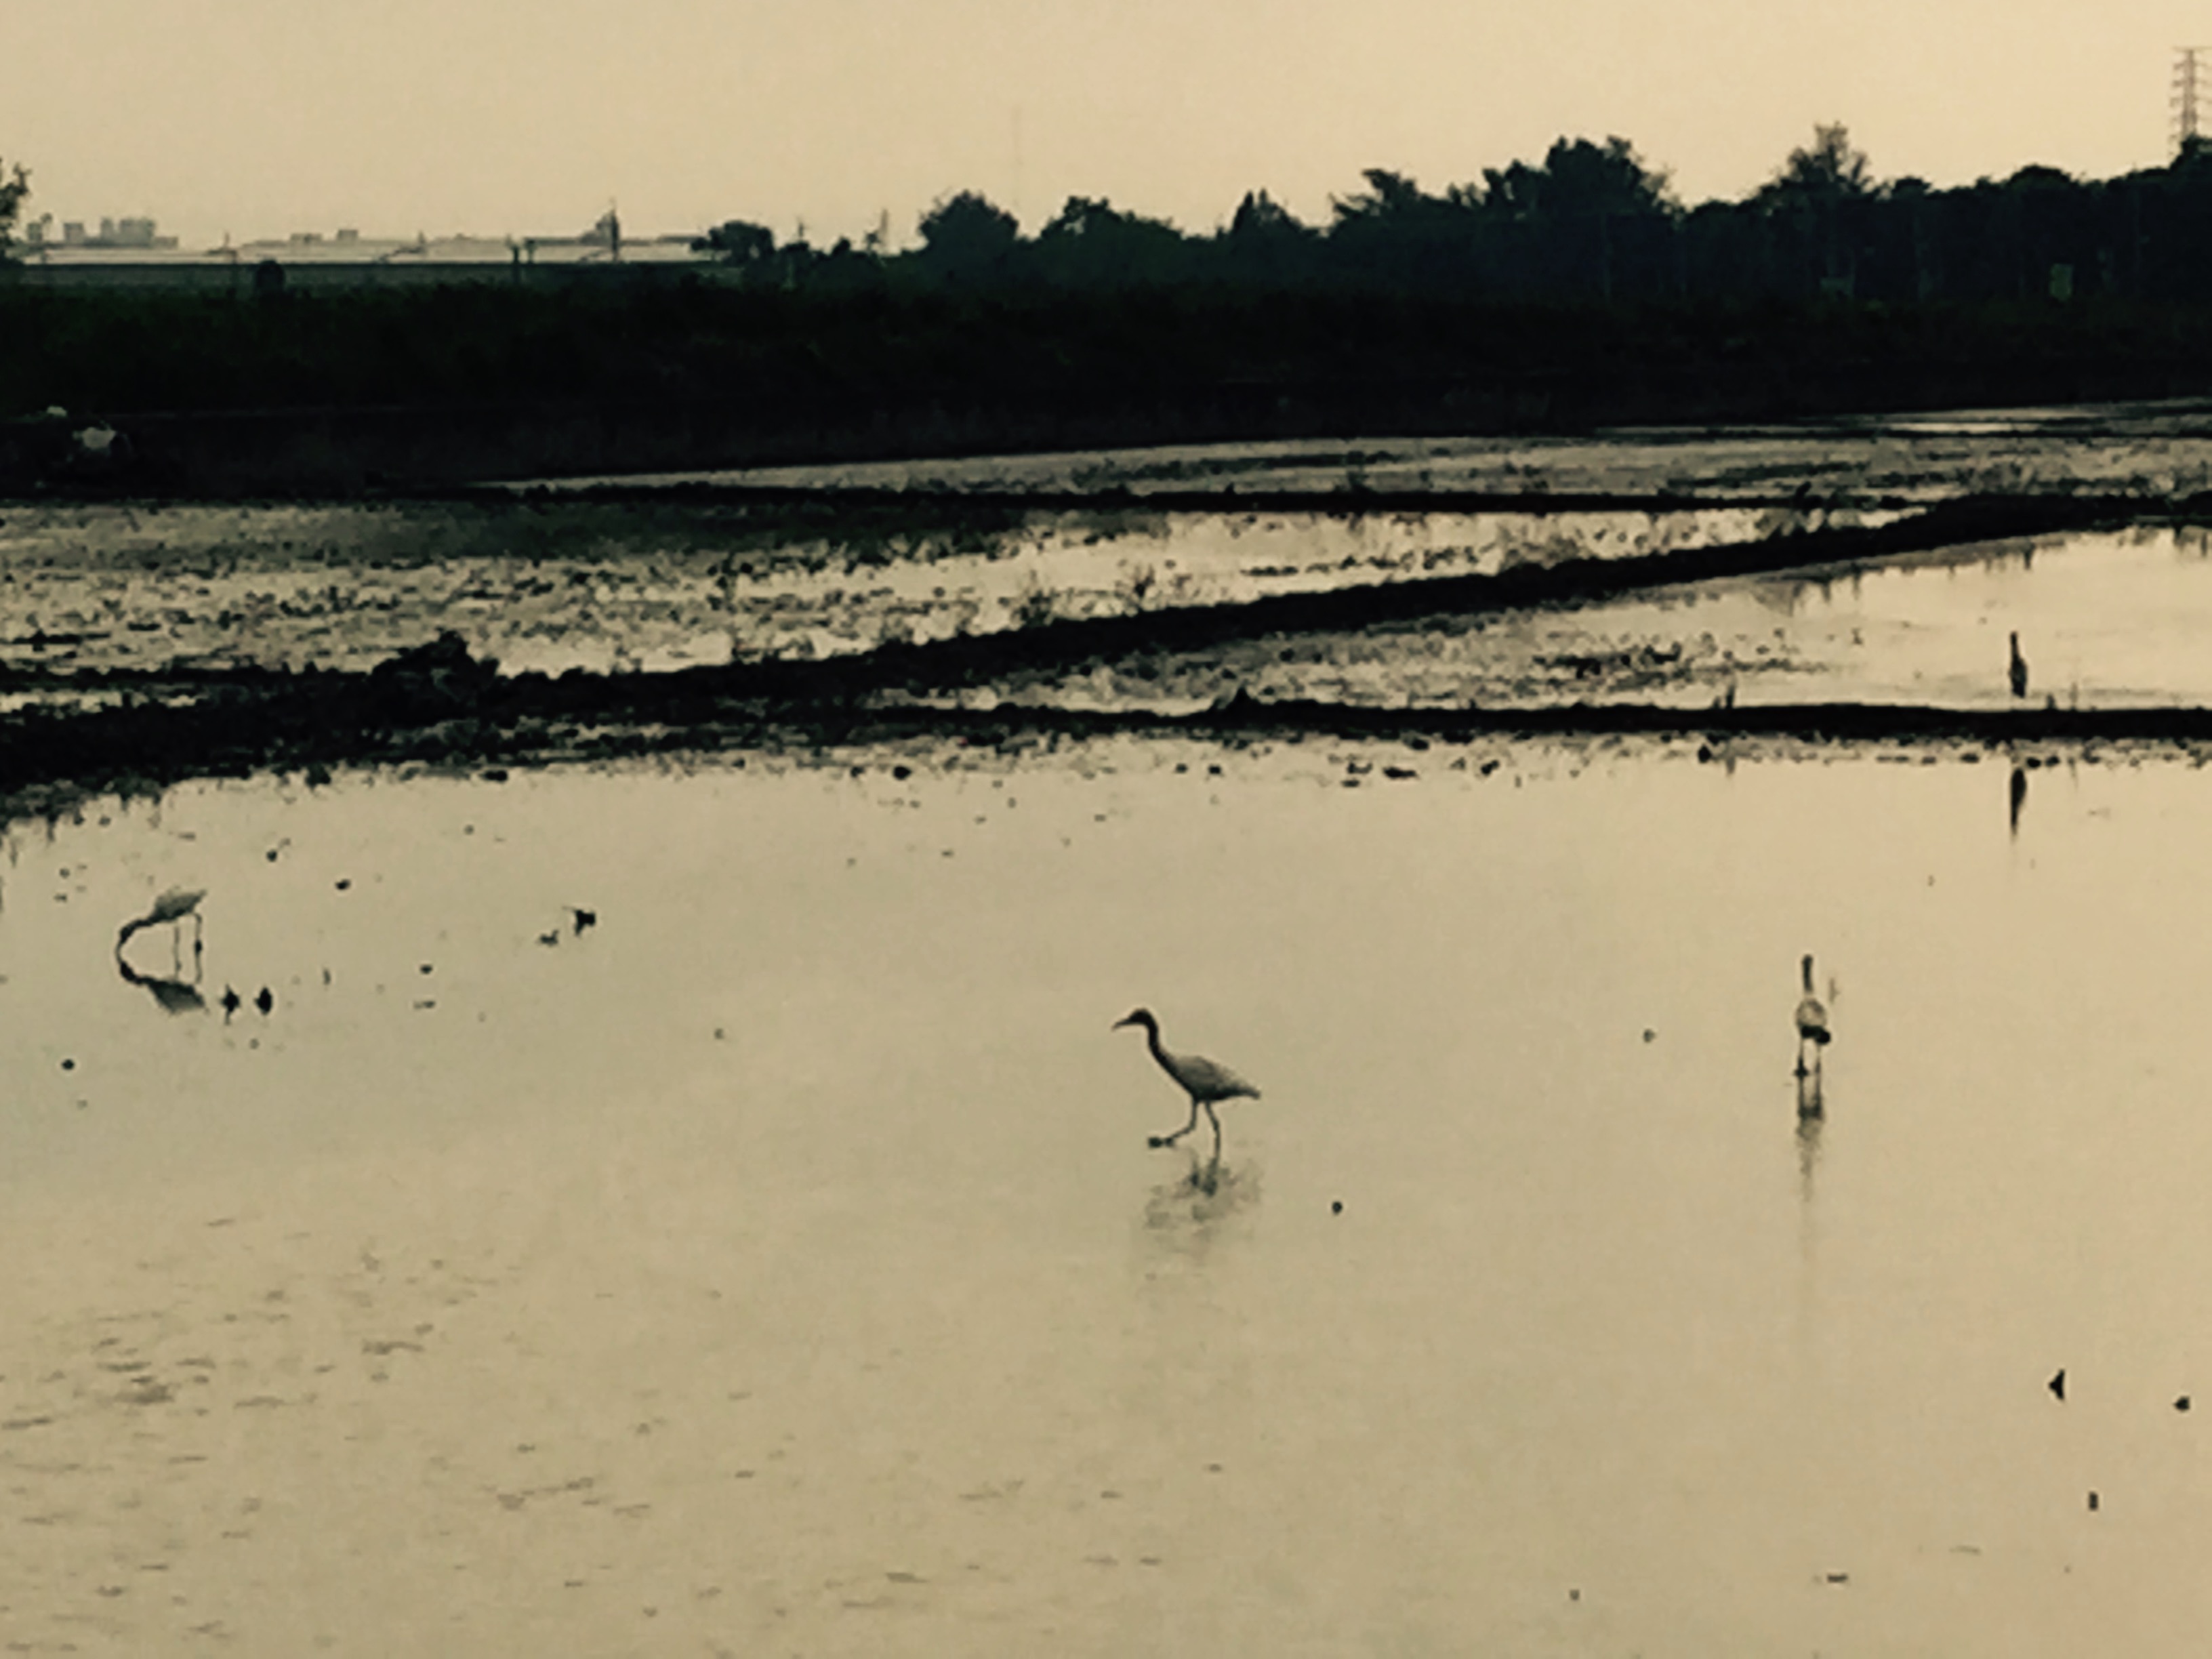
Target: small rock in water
[1336,1206]
[2093,1500]
[1651,1036]
[2181,1404]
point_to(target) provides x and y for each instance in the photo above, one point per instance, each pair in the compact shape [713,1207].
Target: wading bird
[2019,669]
[1204,1080]
[171,908]
[1812,1022]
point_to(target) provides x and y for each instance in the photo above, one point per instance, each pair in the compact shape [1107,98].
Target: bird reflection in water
[2019,797]
[176,996]
[1187,1213]
[1810,1121]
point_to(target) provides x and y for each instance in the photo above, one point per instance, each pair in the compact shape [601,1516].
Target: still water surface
[777,1265]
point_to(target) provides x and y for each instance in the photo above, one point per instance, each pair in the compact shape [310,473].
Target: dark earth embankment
[347,393]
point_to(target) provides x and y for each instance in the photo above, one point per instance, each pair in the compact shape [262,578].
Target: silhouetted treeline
[1591,222]
[1555,297]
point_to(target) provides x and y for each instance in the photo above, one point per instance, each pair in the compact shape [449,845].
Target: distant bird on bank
[1812,1021]
[1205,1081]
[2019,669]
[170,909]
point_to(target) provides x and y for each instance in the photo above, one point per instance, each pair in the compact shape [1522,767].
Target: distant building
[139,234]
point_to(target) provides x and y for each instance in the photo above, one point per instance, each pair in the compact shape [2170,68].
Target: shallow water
[777,1263]
[2156,449]
[584,587]
[2106,620]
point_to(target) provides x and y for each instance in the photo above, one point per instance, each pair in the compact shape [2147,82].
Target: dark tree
[15,187]
[965,237]
[1827,172]
[1094,244]
[738,242]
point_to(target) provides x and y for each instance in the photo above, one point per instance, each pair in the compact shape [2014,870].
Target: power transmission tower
[2189,66]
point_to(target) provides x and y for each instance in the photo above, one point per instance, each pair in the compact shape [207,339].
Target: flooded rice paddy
[703,1206]
[2162,449]
[775,1262]
[92,588]
[2113,619]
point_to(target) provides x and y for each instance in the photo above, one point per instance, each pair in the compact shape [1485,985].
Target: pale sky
[259,117]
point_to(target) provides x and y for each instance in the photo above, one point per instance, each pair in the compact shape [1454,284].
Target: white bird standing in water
[171,907]
[1812,1021]
[1204,1080]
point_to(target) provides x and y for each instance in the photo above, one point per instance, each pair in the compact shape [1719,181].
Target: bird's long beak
[1119,1024]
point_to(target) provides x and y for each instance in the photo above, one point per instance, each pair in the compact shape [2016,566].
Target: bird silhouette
[1812,1021]
[1205,1081]
[263,1000]
[2019,669]
[170,909]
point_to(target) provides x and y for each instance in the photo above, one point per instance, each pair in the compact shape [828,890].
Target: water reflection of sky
[2106,620]
[582,586]
[2136,449]
[790,1235]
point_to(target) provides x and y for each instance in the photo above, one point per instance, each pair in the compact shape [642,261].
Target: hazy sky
[262,116]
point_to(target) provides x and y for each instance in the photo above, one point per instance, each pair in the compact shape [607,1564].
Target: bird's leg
[1170,1141]
[1801,1053]
[1216,1122]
